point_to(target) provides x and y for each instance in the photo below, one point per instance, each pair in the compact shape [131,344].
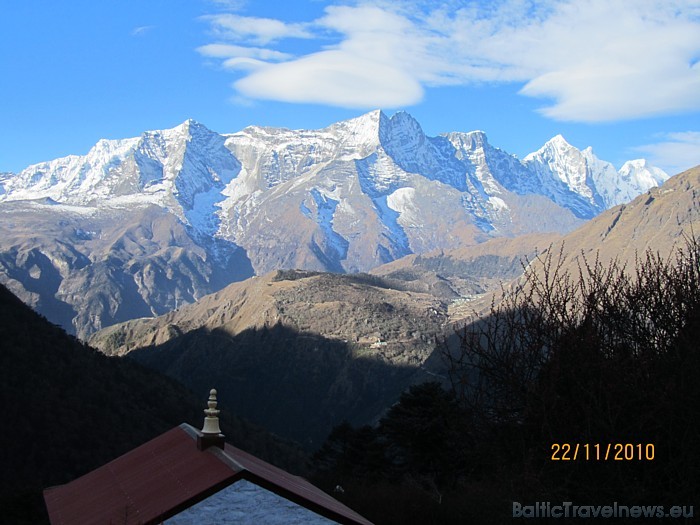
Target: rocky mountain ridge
[347,198]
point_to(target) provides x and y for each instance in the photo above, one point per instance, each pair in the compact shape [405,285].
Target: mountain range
[140,226]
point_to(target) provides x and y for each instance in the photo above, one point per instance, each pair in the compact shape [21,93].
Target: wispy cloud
[369,67]
[230,53]
[253,29]
[141,30]
[676,152]
[231,5]
[589,60]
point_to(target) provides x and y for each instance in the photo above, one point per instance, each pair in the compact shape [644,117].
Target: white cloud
[622,60]
[676,153]
[258,30]
[592,60]
[370,67]
[333,77]
[229,51]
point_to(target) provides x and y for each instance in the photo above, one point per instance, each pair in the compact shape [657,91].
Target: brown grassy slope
[468,270]
[375,319]
[658,221]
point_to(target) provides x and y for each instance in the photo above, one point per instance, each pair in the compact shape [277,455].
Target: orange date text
[602,451]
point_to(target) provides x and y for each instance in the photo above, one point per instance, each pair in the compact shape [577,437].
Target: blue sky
[620,76]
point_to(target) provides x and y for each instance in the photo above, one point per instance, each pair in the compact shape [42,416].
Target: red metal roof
[168,474]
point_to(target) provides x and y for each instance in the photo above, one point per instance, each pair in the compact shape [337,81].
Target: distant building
[187,476]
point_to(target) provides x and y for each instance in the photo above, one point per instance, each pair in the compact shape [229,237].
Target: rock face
[90,268]
[140,226]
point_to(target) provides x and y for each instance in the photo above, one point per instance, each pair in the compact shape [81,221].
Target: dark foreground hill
[67,409]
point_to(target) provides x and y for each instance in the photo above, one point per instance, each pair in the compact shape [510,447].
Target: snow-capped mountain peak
[554,150]
[582,174]
[596,180]
[635,177]
[644,171]
[467,141]
[401,124]
[168,168]
[360,132]
[558,141]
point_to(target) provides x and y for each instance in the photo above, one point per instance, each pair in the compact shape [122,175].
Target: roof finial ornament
[211,421]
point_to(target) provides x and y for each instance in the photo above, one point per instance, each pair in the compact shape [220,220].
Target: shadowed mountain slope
[372,315]
[67,409]
[297,385]
[341,329]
